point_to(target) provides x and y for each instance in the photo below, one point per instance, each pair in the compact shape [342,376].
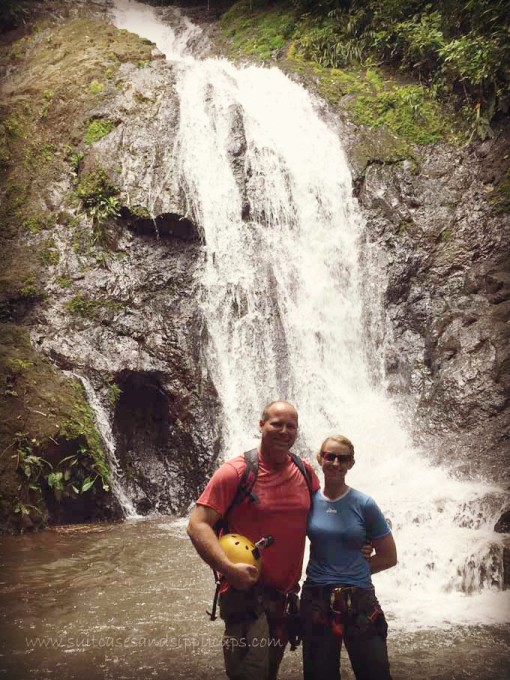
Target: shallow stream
[127,601]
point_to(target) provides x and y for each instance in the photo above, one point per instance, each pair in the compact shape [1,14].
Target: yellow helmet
[240,549]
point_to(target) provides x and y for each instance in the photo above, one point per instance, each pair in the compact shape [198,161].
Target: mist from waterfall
[269,185]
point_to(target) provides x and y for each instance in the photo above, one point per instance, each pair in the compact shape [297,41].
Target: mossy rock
[379,145]
[43,412]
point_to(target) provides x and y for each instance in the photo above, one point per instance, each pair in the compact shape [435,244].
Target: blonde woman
[338,602]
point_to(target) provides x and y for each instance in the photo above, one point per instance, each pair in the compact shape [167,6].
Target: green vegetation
[49,254]
[99,197]
[501,199]
[114,393]
[98,129]
[29,289]
[72,475]
[47,99]
[96,87]
[48,439]
[456,51]
[91,308]
[64,282]
[458,48]
[139,211]
[74,159]
[257,32]
[408,111]
[83,306]
[38,222]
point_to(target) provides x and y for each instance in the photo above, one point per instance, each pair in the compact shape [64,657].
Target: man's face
[279,432]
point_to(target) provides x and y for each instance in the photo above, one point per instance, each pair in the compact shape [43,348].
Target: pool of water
[127,601]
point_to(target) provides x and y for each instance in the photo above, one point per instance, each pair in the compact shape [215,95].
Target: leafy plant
[25,509]
[29,467]
[114,393]
[64,282]
[74,159]
[96,87]
[459,48]
[105,208]
[48,98]
[97,129]
[73,475]
[99,197]
[77,474]
[85,307]
[49,254]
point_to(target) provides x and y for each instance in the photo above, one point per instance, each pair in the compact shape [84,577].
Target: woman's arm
[385,555]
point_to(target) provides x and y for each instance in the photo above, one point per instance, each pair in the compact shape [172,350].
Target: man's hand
[200,529]
[241,576]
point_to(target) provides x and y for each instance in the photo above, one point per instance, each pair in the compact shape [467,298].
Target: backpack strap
[298,462]
[247,482]
[248,479]
[244,489]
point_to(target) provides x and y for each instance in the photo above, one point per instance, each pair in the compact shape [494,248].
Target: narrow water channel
[127,602]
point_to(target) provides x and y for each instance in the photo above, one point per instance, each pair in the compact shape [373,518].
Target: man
[252,606]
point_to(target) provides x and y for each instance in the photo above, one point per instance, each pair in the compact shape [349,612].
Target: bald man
[252,606]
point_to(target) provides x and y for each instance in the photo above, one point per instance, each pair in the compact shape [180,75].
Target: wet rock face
[158,456]
[128,315]
[144,336]
[444,275]
[502,526]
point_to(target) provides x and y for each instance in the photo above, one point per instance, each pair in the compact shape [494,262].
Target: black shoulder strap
[248,478]
[298,462]
[244,489]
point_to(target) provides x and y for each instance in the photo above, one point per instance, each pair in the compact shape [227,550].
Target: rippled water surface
[128,601]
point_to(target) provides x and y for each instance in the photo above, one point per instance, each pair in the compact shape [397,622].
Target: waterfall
[267,181]
[105,430]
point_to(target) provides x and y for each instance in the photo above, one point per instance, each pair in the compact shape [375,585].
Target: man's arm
[200,530]
[385,555]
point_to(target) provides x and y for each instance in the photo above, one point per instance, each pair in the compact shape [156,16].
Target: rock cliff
[100,270]
[442,270]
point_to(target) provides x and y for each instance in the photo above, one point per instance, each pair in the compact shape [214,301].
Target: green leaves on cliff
[71,476]
[97,129]
[257,33]
[46,428]
[456,47]
[99,197]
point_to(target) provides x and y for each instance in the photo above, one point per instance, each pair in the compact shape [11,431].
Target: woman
[338,600]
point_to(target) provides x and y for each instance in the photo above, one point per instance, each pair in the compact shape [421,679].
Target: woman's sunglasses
[340,457]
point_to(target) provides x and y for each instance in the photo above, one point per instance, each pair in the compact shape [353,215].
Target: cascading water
[266,179]
[105,430]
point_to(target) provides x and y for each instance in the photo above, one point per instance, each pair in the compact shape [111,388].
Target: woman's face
[335,459]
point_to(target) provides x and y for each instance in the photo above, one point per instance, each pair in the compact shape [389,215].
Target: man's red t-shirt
[282,512]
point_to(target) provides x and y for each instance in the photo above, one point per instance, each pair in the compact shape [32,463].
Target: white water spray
[268,183]
[105,430]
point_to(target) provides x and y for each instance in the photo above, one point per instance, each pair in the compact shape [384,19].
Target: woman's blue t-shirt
[338,530]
